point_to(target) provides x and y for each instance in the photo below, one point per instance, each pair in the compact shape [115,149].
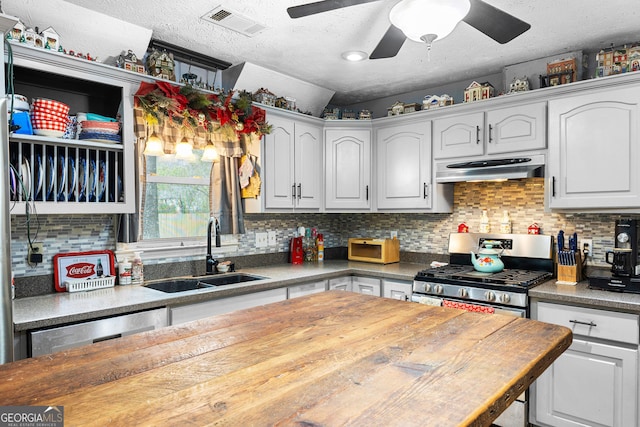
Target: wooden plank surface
[329,359]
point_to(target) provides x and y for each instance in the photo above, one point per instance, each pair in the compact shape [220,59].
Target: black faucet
[212,264]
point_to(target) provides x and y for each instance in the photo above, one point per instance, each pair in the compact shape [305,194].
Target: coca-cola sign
[80,270]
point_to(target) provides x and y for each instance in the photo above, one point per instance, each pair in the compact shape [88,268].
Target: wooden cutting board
[329,359]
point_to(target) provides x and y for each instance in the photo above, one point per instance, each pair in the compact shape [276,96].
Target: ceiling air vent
[232,20]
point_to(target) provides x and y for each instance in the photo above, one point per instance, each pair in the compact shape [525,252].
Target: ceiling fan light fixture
[422,20]
[354,55]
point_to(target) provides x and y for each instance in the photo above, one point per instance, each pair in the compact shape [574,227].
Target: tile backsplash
[418,232]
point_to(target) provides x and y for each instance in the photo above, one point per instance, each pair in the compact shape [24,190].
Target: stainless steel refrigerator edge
[6,305]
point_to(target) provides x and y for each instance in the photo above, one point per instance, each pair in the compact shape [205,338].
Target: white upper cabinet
[292,164]
[308,166]
[348,168]
[403,172]
[513,128]
[593,150]
[458,136]
[516,128]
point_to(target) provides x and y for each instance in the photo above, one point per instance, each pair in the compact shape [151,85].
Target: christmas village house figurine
[263,96]
[519,84]
[130,61]
[33,38]
[364,115]
[634,58]
[51,39]
[161,64]
[17,32]
[477,91]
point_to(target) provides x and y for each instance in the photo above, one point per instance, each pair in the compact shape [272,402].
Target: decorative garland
[187,107]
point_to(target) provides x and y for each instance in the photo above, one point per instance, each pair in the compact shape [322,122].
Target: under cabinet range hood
[493,169]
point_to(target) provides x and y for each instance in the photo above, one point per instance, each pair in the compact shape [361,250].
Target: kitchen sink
[229,279]
[205,282]
[178,285]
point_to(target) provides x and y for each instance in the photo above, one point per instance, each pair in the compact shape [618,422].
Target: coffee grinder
[625,262]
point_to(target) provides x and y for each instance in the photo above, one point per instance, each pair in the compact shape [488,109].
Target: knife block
[571,274]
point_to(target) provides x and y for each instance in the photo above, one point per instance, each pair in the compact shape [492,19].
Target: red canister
[533,229]
[463,228]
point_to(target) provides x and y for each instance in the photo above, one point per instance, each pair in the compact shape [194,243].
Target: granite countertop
[56,309]
[580,294]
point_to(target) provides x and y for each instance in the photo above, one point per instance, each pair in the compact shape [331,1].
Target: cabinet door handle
[578,322]
[425,190]
[553,186]
[490,134]
[299,191]
[367,192]
[293,193]
[477,134]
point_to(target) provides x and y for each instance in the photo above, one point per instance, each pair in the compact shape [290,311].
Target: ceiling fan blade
[390,44]
[322,6]
[495,23]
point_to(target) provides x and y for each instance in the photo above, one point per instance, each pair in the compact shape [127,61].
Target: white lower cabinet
[306,289]
[361,285]
[595,381]
[397,289]
[189,312]
[341,283]
[365,285]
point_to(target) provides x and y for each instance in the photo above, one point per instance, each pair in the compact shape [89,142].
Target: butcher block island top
[329,359]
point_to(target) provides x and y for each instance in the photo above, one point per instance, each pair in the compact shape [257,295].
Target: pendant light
[428,20]
[209,154]
[184,149]
[154,146]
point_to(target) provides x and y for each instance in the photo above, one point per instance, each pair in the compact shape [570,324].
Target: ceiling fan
[414,19]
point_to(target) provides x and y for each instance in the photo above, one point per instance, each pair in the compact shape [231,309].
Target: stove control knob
[489,296]
[463,293]
[438,289]
[505,298]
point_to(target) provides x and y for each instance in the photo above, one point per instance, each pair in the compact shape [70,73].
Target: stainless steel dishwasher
[46,341]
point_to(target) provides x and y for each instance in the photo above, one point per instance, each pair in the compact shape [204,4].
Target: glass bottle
[484,223]
[99,269]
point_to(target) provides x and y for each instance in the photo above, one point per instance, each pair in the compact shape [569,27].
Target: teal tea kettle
[488,259]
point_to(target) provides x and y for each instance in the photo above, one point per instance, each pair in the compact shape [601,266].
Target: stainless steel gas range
[528,261]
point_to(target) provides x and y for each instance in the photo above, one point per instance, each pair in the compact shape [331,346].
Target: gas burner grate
[445,271]
[510,277]
[524,278]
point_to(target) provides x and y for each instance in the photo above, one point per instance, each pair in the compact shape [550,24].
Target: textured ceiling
[310,48]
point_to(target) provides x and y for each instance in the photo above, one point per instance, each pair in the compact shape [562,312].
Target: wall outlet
[261,240]
[271,238]
[394,234]
[36,253]
[587,247]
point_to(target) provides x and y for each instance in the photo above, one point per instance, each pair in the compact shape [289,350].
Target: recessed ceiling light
[354,55]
